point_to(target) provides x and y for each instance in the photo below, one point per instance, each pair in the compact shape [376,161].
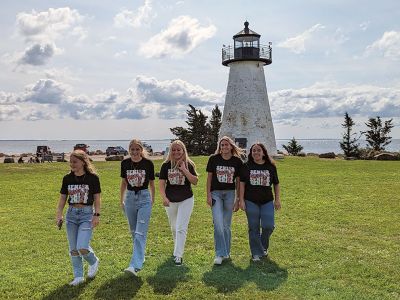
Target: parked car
[82,147]
[42,150]
[116,150]
[148,148]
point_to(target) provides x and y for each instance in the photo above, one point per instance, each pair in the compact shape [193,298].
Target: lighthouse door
[241,142]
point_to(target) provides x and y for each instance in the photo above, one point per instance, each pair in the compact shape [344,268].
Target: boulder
[301,154]
[327,155]
[115,158]
[387,156]
[9,160]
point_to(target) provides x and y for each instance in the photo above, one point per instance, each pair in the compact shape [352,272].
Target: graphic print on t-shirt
[136,177]
[176,177]
[225,174]
[78,193]
[260,177]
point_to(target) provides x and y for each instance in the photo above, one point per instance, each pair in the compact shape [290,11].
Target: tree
[349,144]
[293,147]
[377,135]
[214,125]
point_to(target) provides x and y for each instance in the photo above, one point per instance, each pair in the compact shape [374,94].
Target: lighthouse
[247,116]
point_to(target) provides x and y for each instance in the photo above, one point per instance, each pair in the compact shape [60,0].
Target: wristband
[96,214]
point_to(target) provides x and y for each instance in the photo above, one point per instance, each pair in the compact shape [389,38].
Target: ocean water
[29,146]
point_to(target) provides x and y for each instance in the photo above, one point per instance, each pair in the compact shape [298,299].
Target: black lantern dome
[246,47]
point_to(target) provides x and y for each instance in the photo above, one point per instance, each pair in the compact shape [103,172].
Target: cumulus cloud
[37,54]
[9,112]
[330,100]
[45,91]
[388,45]
[297,44]
[182,35]
[143,16]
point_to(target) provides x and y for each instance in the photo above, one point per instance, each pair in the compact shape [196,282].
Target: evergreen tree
[293,148]
[377,135]
[214,126]
[349,144]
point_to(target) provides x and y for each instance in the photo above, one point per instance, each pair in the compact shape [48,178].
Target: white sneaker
[218,260]
[265,252]
[256,258]
[178,261]
[93,269]
[226,257]
[76,281]
[132,270]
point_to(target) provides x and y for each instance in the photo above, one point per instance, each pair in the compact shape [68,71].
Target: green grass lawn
[337,237]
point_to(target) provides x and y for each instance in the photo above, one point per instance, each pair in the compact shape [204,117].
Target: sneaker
[256,258]
[132,270]
[226,257]
[178,261]
[218,260]
[93,269]
[265,252]
[76,281]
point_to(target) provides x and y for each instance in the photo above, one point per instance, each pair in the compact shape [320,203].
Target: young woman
[222,180]
[137,174]
[257,199]
[177,174]
[82,188]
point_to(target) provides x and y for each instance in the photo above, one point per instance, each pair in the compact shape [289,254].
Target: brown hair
[236,151]
[266,156]
[87,164]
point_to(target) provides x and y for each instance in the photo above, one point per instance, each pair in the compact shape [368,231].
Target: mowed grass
[337,237]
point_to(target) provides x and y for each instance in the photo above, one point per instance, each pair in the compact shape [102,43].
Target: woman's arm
[192,178]
[122,192]
[242,204]
[161,183]
[60,207]
[152,191]
[208,185]
[97,205]
[236,204]
[277,192]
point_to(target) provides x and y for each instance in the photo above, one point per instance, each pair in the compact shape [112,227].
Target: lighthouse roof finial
[246,27]
[246,31]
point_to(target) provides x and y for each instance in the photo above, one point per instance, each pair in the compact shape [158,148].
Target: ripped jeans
[138,211]
[78,221]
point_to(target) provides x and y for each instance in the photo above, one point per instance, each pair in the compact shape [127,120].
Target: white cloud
[364,25]
[297,44]
[388,45]
[45,91]
[9,112]
[143,16]
[182,35]
[121,54]
[37,54]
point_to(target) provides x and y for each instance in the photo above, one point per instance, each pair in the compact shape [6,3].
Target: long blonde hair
[143,153]
[186,158]
[236,151]
[87,164]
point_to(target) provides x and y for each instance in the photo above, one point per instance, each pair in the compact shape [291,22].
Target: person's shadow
[228,278]
[167,277]
[66,292]
[125,286]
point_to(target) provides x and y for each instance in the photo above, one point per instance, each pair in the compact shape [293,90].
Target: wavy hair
[143,153]
[236,151]
[266,156]
[87,164]
[186,158]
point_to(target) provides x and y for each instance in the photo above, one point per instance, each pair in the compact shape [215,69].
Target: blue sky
[96,70]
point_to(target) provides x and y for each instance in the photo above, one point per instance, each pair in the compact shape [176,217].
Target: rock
[327,155]
[301,154]
[9,160]
[115,158]
[278,156]
[387,156]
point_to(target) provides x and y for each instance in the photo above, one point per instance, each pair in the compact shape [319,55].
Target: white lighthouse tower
[247,117]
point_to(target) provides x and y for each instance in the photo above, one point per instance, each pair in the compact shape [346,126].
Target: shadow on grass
[228,278]
[167,277]
[66,292]
[125,286]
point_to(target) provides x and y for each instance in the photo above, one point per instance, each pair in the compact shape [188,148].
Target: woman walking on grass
[137,174]
[177,174]
[222,180]
[82,188]
[256,198]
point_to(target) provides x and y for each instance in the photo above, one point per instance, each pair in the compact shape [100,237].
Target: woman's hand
[95,221]
[236,205]
[166,202]
[277,204]
[209,200]
[242,205]
[182,166]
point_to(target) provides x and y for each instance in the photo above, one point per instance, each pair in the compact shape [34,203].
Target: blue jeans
[222,210]
[138,212]
[260,216]
[78,221]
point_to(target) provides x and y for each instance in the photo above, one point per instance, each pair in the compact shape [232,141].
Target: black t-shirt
[80,189]
[137,174]
[258,180]
[224,172]
[178,187]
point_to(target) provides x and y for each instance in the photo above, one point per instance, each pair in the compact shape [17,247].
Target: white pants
[179,215]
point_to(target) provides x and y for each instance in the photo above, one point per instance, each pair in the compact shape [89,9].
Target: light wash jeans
[222,210]
[179,216]
[138,211]
[78,221]
[260,216]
